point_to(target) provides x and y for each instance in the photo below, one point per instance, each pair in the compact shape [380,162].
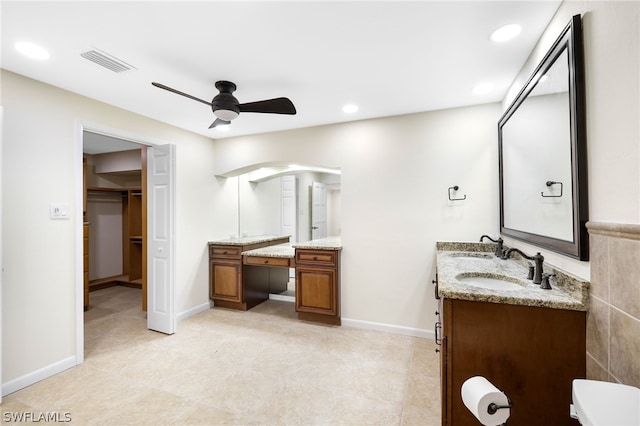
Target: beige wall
[41,164]
[394,205]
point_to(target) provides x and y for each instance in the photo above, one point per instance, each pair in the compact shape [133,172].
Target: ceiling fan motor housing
[224,104]
[226,107]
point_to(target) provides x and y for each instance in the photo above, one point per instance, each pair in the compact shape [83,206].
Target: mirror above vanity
[542,153]
[280,200]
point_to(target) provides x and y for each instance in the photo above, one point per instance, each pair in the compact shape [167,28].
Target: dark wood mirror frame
[571,40]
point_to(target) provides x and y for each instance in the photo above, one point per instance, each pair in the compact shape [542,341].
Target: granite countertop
[456,260]
[328,243]
[279,250]
[244,241]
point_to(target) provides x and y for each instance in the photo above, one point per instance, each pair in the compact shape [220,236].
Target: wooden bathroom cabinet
[318,285]
[530,353]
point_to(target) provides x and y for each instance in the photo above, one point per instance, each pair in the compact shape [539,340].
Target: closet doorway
[114,215]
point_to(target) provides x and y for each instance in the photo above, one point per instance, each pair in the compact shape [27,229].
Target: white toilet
[598,403]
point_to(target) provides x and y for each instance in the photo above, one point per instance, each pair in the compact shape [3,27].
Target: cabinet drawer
[316,257]
[225,252]
[267,261]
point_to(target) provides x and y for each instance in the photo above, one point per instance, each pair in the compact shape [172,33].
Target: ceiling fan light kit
[226,107]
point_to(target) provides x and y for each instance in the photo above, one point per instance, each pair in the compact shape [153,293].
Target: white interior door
[318,210]
[289,210]
[289,202]
[161,241]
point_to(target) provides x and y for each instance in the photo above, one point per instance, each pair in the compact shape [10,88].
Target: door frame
[81,126]
[1,147]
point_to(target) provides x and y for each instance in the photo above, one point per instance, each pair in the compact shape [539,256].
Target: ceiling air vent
[107,61]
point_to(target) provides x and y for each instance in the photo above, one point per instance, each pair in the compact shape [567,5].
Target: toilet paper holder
[492,408]
[485,401]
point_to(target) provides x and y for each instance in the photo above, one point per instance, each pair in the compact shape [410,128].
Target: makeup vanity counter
[528,342]
[244,271]
[231,285]
[317,265]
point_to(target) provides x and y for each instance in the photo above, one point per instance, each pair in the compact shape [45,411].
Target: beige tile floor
[259,367]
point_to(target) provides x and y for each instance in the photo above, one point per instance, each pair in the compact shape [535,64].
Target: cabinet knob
[315,257]
[437,313]
[224,252]
[437,350]
[266,261]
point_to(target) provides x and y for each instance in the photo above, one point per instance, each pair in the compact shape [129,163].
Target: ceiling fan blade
[162,86]
[270,106]
[219,122]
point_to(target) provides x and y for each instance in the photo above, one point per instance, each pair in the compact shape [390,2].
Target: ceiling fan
[226,107]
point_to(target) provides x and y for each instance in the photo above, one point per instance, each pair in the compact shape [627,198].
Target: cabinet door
[530,353]
[316,291]
[225,280]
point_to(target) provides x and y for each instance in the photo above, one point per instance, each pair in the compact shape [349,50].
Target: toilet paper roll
[477,394]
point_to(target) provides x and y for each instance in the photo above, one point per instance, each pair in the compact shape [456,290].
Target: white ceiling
[389,57]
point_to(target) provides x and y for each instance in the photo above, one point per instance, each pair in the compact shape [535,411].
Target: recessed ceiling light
[223,128]
[482,88]
[350,108]
[31,50]
[505,33]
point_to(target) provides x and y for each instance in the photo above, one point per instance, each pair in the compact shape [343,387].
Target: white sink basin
[491,283]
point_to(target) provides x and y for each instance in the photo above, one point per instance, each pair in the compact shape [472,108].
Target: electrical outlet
[59,211]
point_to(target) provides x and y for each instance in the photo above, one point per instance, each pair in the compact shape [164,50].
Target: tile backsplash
[613,320]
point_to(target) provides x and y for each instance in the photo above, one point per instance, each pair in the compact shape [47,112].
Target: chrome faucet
[538,259]
[499,249]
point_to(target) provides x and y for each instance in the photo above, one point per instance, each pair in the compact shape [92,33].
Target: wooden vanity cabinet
[530,353]
[318,285]
[226,273]
[229,285]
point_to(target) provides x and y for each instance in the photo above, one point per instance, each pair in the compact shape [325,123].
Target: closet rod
[103,193]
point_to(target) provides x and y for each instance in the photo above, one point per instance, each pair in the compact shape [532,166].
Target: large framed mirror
[542,153]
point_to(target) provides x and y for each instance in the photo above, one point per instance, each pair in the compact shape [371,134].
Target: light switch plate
[59,211]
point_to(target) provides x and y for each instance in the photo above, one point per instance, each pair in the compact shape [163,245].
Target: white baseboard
[35,376]
[388,328]
[282,297]
[195,310]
